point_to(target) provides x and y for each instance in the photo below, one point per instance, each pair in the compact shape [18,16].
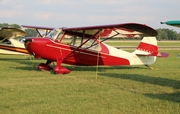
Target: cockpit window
[54,33]
[59,36]
[22,40]
[90,44]
[4,40]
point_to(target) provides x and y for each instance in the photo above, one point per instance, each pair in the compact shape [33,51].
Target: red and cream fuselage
[48,49]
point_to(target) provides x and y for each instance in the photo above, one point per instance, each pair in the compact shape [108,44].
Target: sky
[78,13]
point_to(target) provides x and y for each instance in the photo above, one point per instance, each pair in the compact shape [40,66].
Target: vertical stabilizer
[148,47]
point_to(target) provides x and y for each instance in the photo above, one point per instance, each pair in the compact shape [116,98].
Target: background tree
[162,35]
[31,32]
[10,25]
[166,34]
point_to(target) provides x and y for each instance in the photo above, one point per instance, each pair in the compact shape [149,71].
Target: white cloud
[88,12]
[10,14]
[4,2]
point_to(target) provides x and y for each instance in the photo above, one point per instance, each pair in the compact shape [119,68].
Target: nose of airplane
[27,44]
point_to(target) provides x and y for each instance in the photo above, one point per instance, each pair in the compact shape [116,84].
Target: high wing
[38,29]
[115,30]
[10,32]
[175,23]
[102,33]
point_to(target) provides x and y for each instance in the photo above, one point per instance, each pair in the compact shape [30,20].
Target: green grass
[127,90]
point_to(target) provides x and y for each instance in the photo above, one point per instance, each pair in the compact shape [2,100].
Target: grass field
[117,90]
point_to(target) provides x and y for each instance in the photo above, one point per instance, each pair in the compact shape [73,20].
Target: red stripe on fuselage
[90,57]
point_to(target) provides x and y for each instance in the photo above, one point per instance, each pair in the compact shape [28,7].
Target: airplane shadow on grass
[100,68]
[31,64]
[174,97]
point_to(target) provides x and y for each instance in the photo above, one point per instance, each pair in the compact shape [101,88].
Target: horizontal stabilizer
[158,54]
[162,54]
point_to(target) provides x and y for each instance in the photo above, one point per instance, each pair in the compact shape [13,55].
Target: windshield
[54,33]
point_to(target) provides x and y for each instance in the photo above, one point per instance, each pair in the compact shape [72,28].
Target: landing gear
[61,70]
[43,66]
[58,69]
[149,67]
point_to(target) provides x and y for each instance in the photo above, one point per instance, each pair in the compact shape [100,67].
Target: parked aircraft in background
[86,46]
[175,23]
[12,41]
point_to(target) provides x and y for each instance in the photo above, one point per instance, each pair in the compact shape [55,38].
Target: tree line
[163,33]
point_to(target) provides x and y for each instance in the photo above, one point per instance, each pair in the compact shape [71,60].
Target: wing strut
[74,51]
[95,37]
[104,38]
[47,32]
[39,33]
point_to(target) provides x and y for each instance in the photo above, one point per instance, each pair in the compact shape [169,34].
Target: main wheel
[61,70]
[43,66]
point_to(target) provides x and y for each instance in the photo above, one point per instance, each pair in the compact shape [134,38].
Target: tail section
[146,52]
[148,47]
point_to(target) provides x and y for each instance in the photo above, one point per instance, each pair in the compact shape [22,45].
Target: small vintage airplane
[11,41]
[175,23]
[85,46]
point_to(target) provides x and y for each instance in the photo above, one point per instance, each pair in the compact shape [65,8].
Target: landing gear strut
[58,69]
